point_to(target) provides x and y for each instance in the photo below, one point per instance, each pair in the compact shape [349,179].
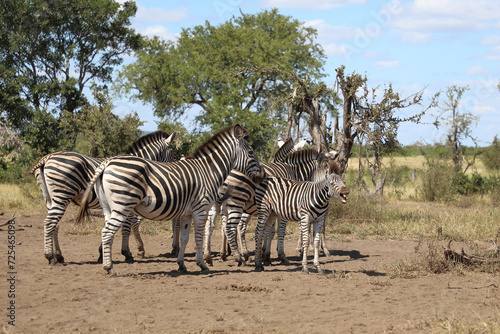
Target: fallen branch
[466,259]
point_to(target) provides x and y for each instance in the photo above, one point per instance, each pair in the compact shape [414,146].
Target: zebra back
[286,148]
[155,146]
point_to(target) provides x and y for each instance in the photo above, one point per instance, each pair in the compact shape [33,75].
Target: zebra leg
[108,232]
[234,218]
[57,248]
[176,231]
[199,221]
[304,231]
[260,231]
[281,241]
[137,235]
[268,237]
[185,226]
[209,229]
[50,227]
[323,240]
[317,226]
[224,242]
[125,238]
[242,229]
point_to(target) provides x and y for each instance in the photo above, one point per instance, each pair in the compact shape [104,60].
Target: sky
[414,45]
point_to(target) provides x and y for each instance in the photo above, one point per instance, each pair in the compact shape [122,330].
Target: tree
[210,68]
[55,50]
[459,127]
[98,132]
[491,156]
[374,120]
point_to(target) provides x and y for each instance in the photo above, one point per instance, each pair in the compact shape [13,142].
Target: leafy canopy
[56,48]
[209,69]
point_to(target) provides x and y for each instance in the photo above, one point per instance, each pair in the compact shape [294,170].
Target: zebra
[240,206]
[304,201]
[163,191]
[64,176]
[240,184]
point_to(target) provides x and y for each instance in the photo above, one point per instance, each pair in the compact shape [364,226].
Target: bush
[436,181]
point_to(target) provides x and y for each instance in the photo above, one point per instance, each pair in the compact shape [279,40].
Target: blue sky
[412,44]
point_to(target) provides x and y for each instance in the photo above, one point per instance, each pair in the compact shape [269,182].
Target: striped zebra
[241,191]
[304,201]
[63,177]
[240,205]
[164,191]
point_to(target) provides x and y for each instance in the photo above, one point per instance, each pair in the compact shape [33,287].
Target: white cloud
[160,15]
[412,37]
[308,4]
[477,70]
[493,54]
[157,30]
[490,40]
[421,18]
[335,50]
[383,64]
[332,32]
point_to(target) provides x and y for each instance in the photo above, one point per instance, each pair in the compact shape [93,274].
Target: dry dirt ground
[357,295]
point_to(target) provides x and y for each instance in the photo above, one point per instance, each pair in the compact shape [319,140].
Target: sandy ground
[356,296]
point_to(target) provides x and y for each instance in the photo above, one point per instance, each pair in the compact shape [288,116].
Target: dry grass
[454,325]
[24,199]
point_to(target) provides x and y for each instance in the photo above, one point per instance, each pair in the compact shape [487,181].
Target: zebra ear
[325,166]
[171,138]
[240,133]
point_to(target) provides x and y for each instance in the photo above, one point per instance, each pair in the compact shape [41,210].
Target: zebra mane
[334,167]
[144,140]
[229,130]
[308,154]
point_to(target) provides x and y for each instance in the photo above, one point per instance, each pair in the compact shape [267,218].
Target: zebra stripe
[304,201]
[240,205]
[243,190]
[164,191]
[286,148]
[64,176]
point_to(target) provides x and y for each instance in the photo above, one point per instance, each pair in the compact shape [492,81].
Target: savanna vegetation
[265,71]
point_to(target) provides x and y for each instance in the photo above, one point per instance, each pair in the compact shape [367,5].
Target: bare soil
[357,295]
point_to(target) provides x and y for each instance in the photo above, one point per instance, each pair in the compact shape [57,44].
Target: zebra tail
[83,211]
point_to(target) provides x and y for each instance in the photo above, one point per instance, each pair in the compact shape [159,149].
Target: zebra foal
[64,176]
[303,201]
[183,189]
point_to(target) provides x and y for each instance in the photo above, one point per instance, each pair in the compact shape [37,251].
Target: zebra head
[246,161]
[155,146]
[335,182]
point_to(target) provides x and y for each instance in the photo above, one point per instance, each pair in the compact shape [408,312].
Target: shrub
[436,181]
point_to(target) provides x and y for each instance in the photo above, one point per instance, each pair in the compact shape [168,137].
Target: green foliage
[54,50]
[436,180]
[211,68]
[43,133]
[491,156]
[96,131]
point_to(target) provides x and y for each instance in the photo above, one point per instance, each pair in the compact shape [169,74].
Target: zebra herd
[223,174]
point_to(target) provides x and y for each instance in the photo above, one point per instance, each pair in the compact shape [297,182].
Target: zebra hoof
[129,259]
[208,260]
[284,261]
[111,272]
[246,256]
[182,268]
[53,262]
[305,271]
[259,268]
[141,254]
[327,253]
[60,258]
